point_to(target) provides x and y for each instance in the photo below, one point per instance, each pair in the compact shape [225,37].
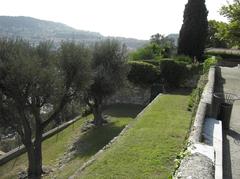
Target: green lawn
[91,142]
[149,148]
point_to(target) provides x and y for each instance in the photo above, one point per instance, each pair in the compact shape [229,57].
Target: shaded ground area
[149,147]
[84,144]
[229,81]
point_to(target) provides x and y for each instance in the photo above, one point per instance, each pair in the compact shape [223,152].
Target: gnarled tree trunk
[95,104]
[34,149]
[97,113]
[34,153]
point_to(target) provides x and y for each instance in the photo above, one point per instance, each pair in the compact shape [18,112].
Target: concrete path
[228,80]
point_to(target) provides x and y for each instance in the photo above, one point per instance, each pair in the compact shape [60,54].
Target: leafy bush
[173,73]
[209,62]
[197,93]
[183,58]
[193,98]
[158,58]
[150,51]
[142,73]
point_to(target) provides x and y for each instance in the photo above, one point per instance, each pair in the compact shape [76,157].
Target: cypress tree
[193,33]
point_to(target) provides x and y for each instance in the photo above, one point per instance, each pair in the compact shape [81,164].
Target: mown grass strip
[149,148]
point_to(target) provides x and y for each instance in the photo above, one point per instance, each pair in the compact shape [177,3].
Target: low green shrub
[142,73]
[197,93]
[148,52]
[158,58]
[183,58]
[169,71]
[193,99]
[153,62]
[210,62]
[173,73]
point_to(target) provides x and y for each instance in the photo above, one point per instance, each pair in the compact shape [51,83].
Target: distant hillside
[36,30]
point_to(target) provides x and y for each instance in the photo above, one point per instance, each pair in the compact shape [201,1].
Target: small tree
[157,38]
[31,79]
[149,52]
[194,30]
[232,12]
[217,34]
[110,71]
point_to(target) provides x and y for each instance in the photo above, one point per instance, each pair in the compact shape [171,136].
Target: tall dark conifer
[194,30]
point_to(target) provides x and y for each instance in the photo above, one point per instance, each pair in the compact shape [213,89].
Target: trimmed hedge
[183,58]
[142,73]
[210,62]
[173,73]
[153,62]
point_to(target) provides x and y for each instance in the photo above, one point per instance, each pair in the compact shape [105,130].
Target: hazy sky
[128,18]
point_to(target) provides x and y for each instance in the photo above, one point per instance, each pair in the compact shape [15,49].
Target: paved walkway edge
[202,160]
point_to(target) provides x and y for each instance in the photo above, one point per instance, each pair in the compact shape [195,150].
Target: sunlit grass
[149,148]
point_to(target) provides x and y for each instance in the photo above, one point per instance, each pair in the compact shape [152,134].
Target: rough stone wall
[191,82]
[199,165]
[130,95]
[21,149]
[196,166]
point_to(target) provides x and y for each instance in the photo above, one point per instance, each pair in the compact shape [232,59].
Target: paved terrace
[228,80]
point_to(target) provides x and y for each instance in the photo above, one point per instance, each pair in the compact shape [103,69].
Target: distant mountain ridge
[35,30]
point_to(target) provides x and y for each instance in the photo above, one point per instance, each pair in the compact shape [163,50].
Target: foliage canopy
[33,79]
[194,30]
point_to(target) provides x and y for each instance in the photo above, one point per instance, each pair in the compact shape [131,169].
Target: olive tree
[33,79]
[110,71]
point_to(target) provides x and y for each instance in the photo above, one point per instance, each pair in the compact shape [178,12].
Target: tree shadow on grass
[94,140]
[180,91]
[123,110]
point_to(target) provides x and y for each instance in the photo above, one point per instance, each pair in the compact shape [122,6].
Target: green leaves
[109,67]
[32,77]
[75,65]
[194,30]
[142,73]
[217,34]
[232,12]
[158,48]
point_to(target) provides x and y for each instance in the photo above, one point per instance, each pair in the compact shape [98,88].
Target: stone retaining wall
[130,95]
[201,161]
[21,149]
